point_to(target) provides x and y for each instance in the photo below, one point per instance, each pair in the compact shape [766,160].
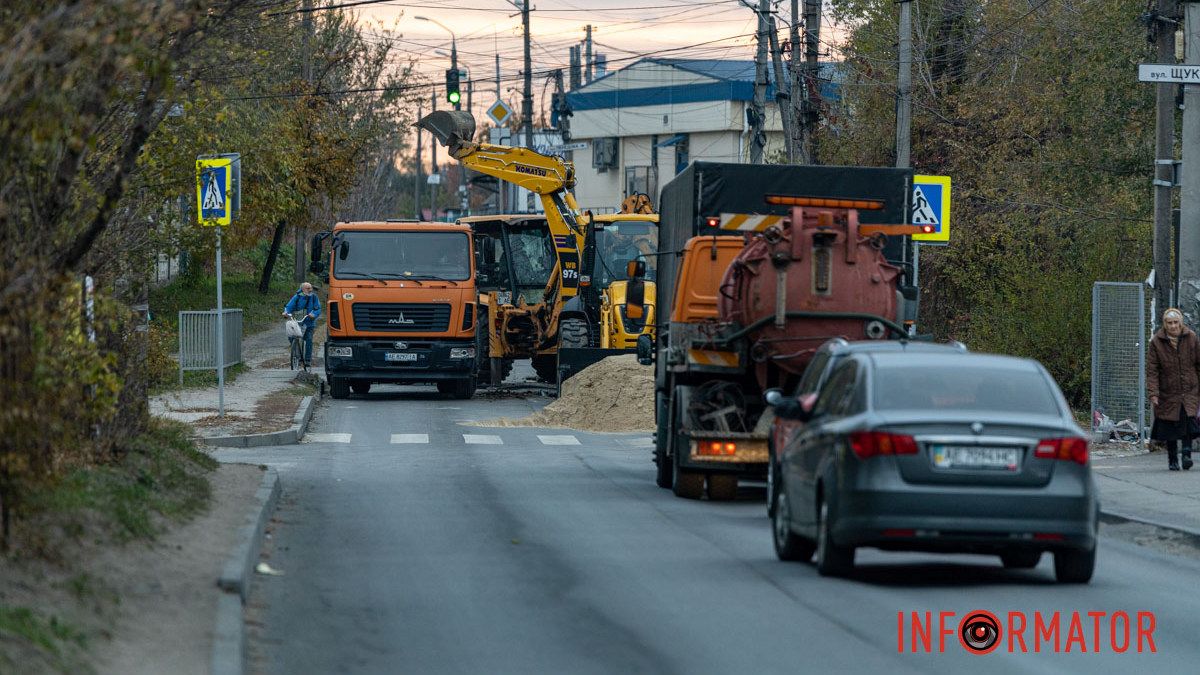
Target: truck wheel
[339,387]
[446,386]
[546,367]
[464,389]
[722,487]
[360,387]
[574,333]
[788,544]
[664,473]
[832,560]
[687,484]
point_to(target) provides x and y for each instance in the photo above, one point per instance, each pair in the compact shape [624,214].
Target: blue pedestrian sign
[214,201]
[931,208]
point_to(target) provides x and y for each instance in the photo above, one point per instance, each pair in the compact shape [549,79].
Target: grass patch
[55,641]
[239,290]
[160,473]
[197,379]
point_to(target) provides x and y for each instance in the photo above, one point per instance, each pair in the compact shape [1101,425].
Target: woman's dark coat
[1173,374]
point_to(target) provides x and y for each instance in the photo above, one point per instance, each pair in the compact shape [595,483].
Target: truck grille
[401,317]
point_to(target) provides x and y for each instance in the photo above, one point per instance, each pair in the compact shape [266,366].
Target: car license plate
[970,457]
[399,356]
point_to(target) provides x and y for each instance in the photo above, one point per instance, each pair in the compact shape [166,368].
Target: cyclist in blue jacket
[305,301]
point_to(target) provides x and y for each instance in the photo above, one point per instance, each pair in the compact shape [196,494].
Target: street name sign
[565,147]
[1179,73]
[931,206]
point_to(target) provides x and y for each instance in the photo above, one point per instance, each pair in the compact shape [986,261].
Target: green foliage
[1033,113]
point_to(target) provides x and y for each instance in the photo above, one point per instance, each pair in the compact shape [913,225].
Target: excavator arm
[551,178]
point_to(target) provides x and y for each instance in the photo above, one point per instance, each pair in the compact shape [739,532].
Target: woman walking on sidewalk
[1173,383]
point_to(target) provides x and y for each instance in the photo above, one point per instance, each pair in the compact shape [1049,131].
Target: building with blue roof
[647,121]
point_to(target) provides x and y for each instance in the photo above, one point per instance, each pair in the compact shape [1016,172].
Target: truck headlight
[345,352]
[462,352]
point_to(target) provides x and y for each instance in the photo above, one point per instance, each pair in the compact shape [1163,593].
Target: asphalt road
[407,548]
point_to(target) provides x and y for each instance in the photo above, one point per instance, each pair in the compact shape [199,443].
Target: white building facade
[646,122]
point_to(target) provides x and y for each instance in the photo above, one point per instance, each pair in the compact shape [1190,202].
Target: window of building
[641,179]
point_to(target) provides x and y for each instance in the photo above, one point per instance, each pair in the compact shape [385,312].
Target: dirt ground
[616,394]
[139,607]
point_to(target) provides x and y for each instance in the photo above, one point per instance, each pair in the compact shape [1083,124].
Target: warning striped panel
[710,357]
[746,222]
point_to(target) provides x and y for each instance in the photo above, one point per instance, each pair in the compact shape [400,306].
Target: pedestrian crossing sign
[931,208]
[214,203]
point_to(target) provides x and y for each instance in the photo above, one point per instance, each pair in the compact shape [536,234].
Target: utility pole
[782,95]
[497,76]
[904,88]
[306,29]
[527,99]
[812,75]
[1162,30]
[758,106]
[417,177]
[797,93]
[1189,202]
[433,166]
[587,55]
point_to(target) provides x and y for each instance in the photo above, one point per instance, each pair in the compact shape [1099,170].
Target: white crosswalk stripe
[410,438]
[328,438]
[558,440]
[482,439]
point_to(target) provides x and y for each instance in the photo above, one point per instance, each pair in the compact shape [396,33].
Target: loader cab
[514,256]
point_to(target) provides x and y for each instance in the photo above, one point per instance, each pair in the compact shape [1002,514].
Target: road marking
[558,440]
[482,439]
[410,438]
[327,438]
[642,442]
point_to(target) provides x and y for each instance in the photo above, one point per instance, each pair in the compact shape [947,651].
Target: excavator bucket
[453,128]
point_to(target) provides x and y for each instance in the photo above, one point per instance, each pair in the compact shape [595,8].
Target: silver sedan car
[946,452]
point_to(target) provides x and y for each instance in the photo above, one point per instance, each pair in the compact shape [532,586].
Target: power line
[391,3]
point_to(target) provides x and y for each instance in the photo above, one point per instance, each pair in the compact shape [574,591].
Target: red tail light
[1073,449]
[871,443]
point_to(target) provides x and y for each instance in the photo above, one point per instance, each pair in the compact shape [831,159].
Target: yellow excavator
[559,334]
[519,329]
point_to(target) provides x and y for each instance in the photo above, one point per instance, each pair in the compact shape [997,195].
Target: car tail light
[1049,536]
[871,443]
[716,448]
[335,317]
[1071,448]
[899,532]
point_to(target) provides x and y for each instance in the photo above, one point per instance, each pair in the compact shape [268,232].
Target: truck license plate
[968,457]
[399,356]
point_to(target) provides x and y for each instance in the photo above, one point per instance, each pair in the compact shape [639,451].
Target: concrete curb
[1109,515]
[288,436]
[229,635]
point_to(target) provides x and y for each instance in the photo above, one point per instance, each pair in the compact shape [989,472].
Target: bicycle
[296,349]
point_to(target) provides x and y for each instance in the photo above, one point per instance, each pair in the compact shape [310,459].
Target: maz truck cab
[401,305]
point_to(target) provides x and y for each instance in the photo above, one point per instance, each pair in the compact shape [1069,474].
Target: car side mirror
[317,267]
[645,350]
[635,298]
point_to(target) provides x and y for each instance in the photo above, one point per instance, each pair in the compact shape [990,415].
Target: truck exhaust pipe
[454,129]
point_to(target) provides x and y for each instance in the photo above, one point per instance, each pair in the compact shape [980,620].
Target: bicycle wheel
[297,357]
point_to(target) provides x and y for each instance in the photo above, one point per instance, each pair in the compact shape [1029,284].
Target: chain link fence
[198,340]
[1120,331]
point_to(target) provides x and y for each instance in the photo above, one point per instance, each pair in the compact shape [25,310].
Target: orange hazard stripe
[708,357]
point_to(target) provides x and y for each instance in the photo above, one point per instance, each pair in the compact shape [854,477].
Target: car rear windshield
[394,255]
[963,386]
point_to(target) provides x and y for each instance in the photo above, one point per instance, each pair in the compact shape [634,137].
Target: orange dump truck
[401,306]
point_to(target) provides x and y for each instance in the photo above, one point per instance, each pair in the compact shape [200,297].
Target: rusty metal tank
[808,278]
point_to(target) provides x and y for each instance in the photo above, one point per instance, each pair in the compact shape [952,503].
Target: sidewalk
[262,399]
[1139,487]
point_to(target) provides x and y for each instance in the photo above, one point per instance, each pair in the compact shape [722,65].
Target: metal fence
[1120,330]
[198,340]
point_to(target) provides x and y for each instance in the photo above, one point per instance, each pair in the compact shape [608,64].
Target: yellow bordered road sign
[499,112]
[931,207]
[214,203]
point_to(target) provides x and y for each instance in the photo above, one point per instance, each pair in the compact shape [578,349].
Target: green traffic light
[454,97]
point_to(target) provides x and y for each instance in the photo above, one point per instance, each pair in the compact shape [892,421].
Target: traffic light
[453,94]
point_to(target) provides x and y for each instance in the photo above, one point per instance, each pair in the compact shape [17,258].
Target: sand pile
[616,394]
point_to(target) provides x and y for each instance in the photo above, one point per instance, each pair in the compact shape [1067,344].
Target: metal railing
[1120,330]
[198,340]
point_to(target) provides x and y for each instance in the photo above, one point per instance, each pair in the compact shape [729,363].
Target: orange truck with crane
[758,266]
[401,306]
